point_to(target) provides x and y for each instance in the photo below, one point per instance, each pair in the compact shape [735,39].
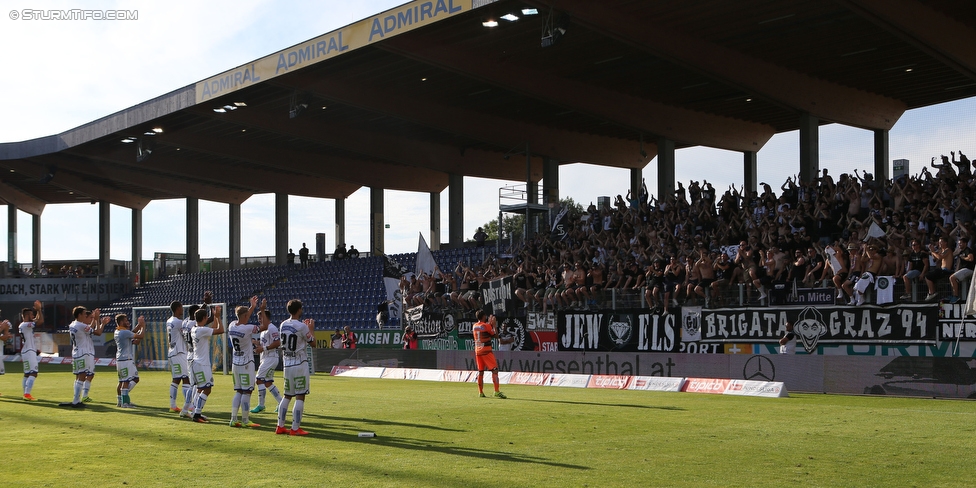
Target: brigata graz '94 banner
[616,330]
[904,324]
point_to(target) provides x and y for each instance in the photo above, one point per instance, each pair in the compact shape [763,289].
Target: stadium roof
[404,98]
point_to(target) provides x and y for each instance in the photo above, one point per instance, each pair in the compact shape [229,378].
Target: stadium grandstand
[590,90]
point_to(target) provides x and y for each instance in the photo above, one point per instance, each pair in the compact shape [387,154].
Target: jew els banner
[616,330]
[909,324]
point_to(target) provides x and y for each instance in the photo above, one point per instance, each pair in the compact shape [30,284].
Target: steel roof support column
[234,238]
[11,237]
[455,204]
[36,242]
[665,168]
[881,171]
[750,170]
[281,229]
[136,266]
[550,180]
[376,223]
[636,181]
[809,148]
[340,221]
[435,220]
[192,235]
[104,238]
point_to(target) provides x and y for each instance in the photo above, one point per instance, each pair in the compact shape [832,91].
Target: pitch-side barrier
[770,389]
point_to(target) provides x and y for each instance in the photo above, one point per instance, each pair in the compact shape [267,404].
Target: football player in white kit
[87,323]
[295,335]
[125,356]
[28,349]
[270,357]
[202,369]
[178,363]
[242,335]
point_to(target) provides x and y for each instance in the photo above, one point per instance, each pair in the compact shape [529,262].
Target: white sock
[188,400]
[262,391]
[78,387]
[173,390]
[283,411]
[28,384]
[201,401]
[296,414]
[86,388]
[187,392]
[132,385]
[235,406]
[275,393]
[245,408]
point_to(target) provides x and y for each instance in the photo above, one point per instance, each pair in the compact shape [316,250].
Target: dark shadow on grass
[386,422]
[330,428]
[328,432]
[598,404]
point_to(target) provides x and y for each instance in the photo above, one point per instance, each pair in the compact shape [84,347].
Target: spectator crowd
[695,245]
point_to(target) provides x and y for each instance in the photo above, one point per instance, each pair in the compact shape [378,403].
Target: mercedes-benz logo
[759,368]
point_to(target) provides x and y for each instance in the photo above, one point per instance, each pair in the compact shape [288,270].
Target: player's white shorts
[296,380]
[266,370]
[30,362]
[179,366]
[243,376]
[84,364]
[127,370]
[202,374]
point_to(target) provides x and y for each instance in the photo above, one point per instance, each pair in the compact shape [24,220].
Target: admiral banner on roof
[906,324]
[616,330]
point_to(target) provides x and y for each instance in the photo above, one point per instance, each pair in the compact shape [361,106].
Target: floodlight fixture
[530,11]
[510,17]
[490,23]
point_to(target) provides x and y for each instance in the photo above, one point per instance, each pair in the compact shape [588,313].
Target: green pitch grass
[442,434]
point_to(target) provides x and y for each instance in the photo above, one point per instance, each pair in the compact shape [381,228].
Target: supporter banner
[906,324]
[954,324]
[786,294]
[497,297]
[62,289]
[618,330]
[540,321]
[456,335]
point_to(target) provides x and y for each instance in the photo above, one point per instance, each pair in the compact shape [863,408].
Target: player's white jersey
[27,331]
[241,336]
[188,326]
[81,339]
[177,341]
[294,337]
[201,344]
[125,350]
[267,338]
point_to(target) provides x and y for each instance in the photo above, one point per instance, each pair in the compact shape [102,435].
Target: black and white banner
[616,330]
[954,324]
[392,272]
[497,297]
[906,324]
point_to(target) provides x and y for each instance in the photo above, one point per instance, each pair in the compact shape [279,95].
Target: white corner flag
[425,260]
